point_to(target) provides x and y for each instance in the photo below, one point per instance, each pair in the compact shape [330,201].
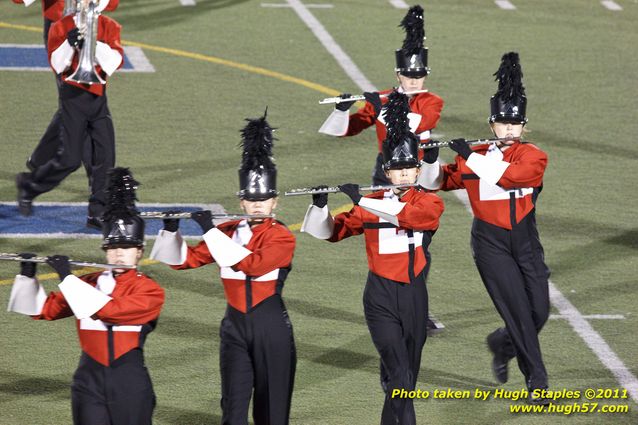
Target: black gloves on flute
[375,100]
[171,224]
[60,263]
[27,268]
[320,199]
[352,190]
[430,155]
[75,38]
[204,219]
[344,106]
[461,147]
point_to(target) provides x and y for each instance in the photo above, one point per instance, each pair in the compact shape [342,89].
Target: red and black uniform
[257,350]
[395,299]
[426,105]
[50,143]
[83,110]
[111,384]
[507,249]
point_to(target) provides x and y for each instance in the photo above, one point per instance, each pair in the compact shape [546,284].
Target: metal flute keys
[374,188]
[358,97]
[476,142]
[150,215]
[16,257]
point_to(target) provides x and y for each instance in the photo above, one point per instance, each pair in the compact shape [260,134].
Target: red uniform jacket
[53,9]
[263,271]
[108,32]
[137,300]
[526,169]
[388,247]
[428,105]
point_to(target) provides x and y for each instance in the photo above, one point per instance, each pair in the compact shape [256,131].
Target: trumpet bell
[84,75]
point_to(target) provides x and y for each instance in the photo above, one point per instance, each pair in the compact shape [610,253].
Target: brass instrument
[362,97]
[16,257]
[373,188]
[70,7]
[88,24]
[149,215]
[476,142]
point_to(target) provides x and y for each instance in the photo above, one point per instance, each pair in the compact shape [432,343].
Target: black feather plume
[510,78]
[413,25]
[257,142]
[120,195]
[396,118]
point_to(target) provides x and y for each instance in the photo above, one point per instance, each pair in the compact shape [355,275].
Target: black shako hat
[412,58]
[257,172]
[121,223]
[509,103]
[400,149]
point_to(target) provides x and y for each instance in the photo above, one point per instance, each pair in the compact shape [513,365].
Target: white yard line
[331,45]
[308,5]
[592,316]
[138,59]
[592,339]
[505,5]
[399,4]
[611,5]
[187,3]
[24,46]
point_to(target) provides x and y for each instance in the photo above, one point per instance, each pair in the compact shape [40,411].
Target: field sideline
[220,61]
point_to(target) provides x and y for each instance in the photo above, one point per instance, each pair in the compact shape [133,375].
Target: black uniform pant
[50,145]
[257,357]
[120,394]
[51,141]
[81,112]
[396,314]
[512,267]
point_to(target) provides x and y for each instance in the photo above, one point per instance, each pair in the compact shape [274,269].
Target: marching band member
[257,349]
[115,311]
[49,144]
[425,108]
[411,71]
[398,225]
[83,110]
[503,181]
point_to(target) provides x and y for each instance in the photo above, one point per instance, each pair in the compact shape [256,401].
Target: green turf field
[178,131]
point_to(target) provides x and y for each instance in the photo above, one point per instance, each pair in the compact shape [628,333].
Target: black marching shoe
[499,361]
[433,326]
[30,165]
[537,397]
[93,223]
[24,198]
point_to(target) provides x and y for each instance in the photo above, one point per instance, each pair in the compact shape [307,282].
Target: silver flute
[358,97]
[16,257]
[149,215]
[373,188]
[476,142]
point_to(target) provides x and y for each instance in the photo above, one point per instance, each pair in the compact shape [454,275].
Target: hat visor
[255,197]
[415,74]
[122,243]
[400,165]
[508,119]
